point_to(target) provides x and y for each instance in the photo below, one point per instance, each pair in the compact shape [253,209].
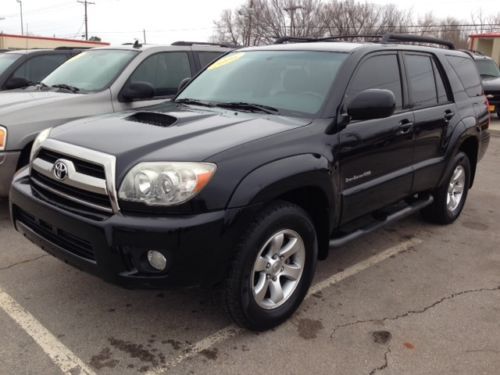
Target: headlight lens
[165,184]
[3,138]
[37,143]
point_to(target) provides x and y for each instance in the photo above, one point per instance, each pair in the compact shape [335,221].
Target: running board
[410,209]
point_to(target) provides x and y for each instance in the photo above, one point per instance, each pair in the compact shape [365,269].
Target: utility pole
[291,10]
[21,9]
[85,3]
[144,35]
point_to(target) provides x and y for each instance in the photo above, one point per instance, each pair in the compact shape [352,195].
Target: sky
[165,21]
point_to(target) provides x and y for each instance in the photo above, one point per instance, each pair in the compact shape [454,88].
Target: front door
[376,156]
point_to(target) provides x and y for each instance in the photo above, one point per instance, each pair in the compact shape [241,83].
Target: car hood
[176,133]
[13,101]
[491,84]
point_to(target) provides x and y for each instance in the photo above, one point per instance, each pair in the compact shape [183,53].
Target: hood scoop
[153,118]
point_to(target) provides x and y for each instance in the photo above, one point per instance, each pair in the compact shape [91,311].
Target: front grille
[67,241]
[81,166]
[84,195]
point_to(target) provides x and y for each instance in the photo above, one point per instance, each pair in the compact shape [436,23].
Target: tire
[254,269]
[444,210]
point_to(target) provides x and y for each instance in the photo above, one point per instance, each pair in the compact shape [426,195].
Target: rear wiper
[66,87]
[248,107]
[194,102]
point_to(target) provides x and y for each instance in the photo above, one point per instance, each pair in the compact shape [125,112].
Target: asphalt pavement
[412,298]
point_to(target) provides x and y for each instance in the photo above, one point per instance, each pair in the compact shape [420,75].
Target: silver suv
[97,81]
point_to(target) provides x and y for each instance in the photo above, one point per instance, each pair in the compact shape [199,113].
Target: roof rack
[472,52]
[186,43]
[385,39]
[69,48]
[407,38]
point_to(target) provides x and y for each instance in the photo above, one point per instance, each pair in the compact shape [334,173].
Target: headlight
[44,134]
[165,184]
[3,138]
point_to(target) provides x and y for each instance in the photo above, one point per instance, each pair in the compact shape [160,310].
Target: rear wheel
[273,268]
[449,199]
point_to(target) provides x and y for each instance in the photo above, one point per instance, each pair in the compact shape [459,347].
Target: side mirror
[16,83]
[371,104]
[183,84]
[138,91]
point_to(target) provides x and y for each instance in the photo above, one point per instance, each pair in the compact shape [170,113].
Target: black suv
[25,67]
[490,75]
[264,161]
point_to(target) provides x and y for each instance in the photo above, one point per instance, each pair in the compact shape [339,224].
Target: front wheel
[273,268]
[449,199]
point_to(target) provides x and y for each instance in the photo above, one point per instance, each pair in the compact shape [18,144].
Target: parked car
[268,158]
[490,75]
[22,68]
[97,81]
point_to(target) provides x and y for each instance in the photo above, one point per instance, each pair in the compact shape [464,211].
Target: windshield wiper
[248,107]
[194,102]
[66,87]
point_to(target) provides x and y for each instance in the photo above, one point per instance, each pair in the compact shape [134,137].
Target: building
[9,41]
[488,44]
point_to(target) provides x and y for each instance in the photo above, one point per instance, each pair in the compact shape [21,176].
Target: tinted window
[6,60]
[294,82]
[91,70]
[420,75]
[377,72]
[207,57]
[487,68]
[164,71]
[441,90]
[39,67]
[467,73]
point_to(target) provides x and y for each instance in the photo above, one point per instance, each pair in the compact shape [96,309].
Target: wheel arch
[304,180]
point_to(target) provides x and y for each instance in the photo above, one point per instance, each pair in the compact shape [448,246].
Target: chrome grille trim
[75,179]
[106,187]
[71,198]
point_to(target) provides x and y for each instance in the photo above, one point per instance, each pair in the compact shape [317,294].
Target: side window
[164,71]
[378,72]
[467,73]
[420,75]
[207,57]
[39,67]
[441,90]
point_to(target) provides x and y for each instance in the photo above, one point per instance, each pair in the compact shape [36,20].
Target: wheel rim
[456,188]
[278,269]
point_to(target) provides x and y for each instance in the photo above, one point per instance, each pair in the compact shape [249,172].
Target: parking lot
[412,298]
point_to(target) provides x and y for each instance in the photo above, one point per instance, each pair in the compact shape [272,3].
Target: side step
[410,209]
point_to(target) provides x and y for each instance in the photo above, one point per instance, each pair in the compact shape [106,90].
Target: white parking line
[62,357]
[232,330]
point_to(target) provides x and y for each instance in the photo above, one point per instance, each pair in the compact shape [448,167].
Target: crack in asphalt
[384,365]
[22,262]
[413,312]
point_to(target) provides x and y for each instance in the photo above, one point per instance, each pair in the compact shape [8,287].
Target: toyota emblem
[60,170]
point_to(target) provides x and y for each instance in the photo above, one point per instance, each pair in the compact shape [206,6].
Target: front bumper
[197,247]
[8,165]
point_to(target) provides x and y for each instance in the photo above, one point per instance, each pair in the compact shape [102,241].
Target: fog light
[157,260]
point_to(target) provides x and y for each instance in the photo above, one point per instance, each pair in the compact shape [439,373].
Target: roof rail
[407,38]
[472,52]
[294,39]
[344,37]
[186,43]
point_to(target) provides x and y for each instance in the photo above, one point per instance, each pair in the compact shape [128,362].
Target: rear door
[376,155]
[430,99]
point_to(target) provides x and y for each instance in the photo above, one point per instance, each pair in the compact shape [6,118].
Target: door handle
[448,114]
[405,127]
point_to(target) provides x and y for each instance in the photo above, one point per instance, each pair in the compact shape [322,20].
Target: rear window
[467,73]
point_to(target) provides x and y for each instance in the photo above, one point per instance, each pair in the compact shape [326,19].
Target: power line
[85,4]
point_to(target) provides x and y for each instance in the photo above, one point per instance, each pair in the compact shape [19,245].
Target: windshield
[288,81]
[6,60]
[91,70]
[487,68]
